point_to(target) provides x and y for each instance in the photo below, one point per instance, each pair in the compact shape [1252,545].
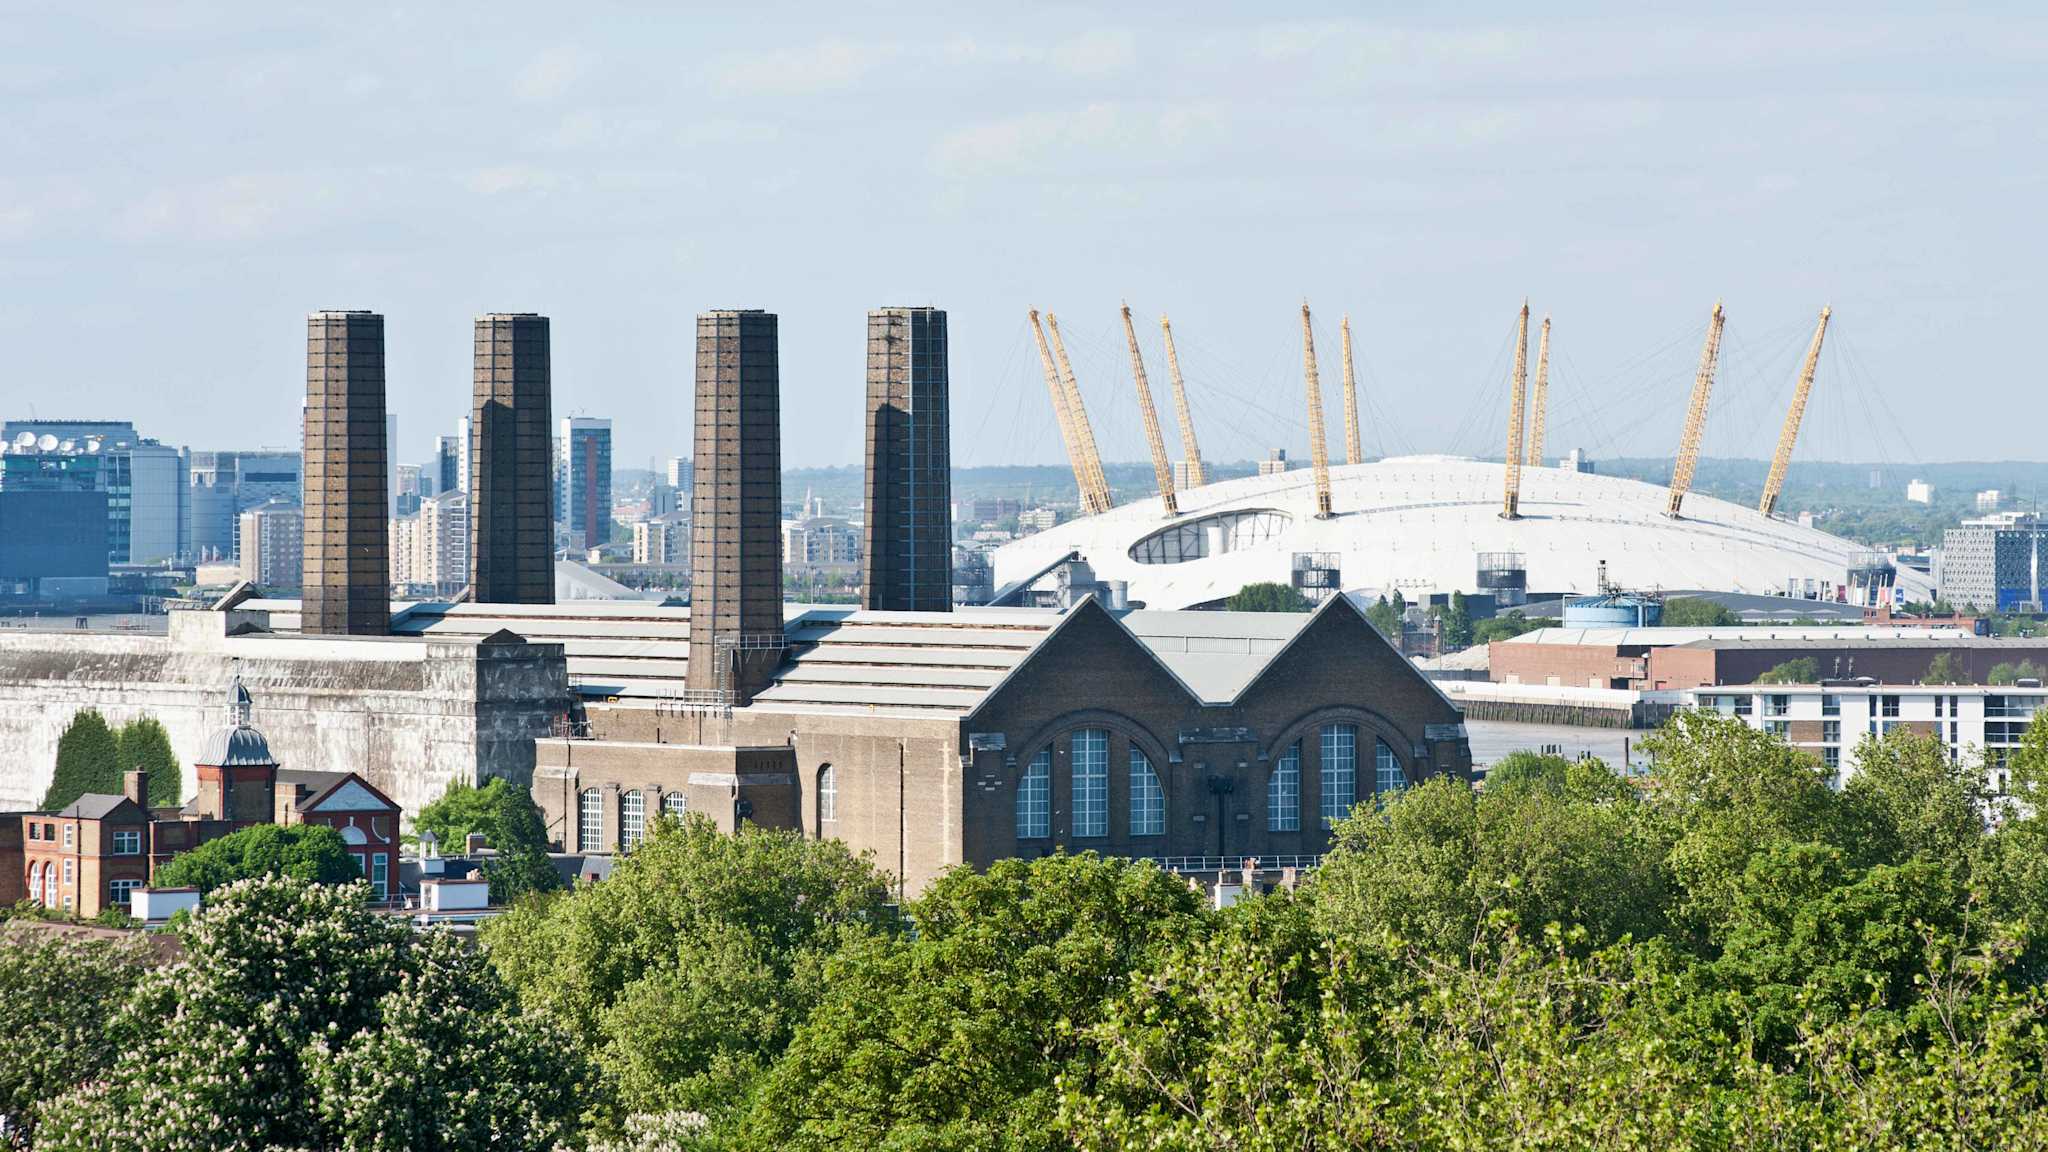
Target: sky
[181,184]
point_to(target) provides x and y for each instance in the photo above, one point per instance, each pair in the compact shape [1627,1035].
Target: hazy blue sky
[180,184]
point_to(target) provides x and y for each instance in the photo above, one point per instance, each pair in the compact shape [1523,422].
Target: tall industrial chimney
[736,511]
[512,533]
[347,578]
[907,565]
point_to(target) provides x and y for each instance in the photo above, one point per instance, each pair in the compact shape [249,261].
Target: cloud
[1098,52]
[549,76]
[1120,136]
[500,179]
[826,66]
[244,206]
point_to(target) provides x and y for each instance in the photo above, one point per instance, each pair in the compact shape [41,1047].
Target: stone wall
[410,715]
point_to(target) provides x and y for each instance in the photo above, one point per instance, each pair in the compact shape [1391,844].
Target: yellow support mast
[1191,452]
[1776,483]
[1059,410]
[1511,496]
[1097,493]
[1696,415]
[1541,401]
[1354,450]
[1319,451]
[1162,468]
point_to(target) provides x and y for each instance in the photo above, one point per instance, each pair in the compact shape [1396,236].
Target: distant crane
[1318,450]
[1696,414]
[1191,452]
[1511,497]
[1541,401]
[1354,451]
[1776,483]
[1060,413]
[1084,435]
[1162,469]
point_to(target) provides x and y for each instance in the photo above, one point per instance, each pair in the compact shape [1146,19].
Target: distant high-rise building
[1993,563]
[447,543]
[1184,474]
[223,485]
[661,540]
[908,514]
[1038,519]
[448,470]
[273,544]
[827,542]
[1576,461]
[391,462]
[1274,464]
[1989,500]
[583,481]
[512,538]
[411,478]
[680,474]
[347,569]
[735,533]
[1919,492]
[145,481]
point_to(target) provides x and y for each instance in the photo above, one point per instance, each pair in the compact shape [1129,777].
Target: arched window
[1283,792]
[35,883]
[632,819]
[590,821]
[1148,799]
[675,805]
[1091,782]
[1034,798]
[50,885]
[1388,777]
[1340,771]
[828,795]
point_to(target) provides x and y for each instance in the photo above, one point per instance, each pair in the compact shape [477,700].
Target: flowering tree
[299,1018]
[56,996]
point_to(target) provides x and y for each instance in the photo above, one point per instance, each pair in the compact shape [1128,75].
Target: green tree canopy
[1268,596]
[297,1017]
[509,822]
[1507,626]
[1697,612]
[1804,670]
[313,853]
[143,744]
[686,971]
[2006,672]
[88,760]
[1943,669]
[57,997]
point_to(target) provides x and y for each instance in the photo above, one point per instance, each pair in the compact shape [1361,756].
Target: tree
[1697,612]
[313,853]
[685,972]
[1268,596]
[1457,623]
[1506,627]
[1804,670]
[960,1036]
[1943,669]
[509,822]
[2006,672]
[297,1017]
[143,744]
[57,997]
[88,760]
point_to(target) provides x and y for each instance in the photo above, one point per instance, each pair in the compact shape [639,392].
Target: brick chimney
[474,844]
[135,786]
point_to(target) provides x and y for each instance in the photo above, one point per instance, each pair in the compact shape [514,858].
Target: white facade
[273,544]
[820,540]
[1919,492]
[1420,523]
[661,540]
[1989,500]
[430,550]
[1831,720]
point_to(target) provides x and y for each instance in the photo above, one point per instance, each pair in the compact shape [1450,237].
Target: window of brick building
[1340,772]
[1283,792]
[119,891]
[1148,799]
[1387,768]
[675,805]
[1034,798]
[828,795]
[128,843]
[590,821]
[632,820]
[1091,782]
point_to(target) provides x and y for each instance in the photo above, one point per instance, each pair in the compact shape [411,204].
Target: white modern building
[1421,524]
[1833,717]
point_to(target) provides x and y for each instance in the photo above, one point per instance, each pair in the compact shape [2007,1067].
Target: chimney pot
[474,844]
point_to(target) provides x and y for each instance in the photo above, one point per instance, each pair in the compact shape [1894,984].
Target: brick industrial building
[512,534]
[907,558]
[346,580]
[1657,659]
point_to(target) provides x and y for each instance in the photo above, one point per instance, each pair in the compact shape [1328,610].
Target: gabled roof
[99,806]
[345,783]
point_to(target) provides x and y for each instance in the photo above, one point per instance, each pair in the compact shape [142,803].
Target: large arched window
[1340,771]
[35,883]
[1148,799]
[1034,798]
[632,819]
[675,805]
[590,821]
[1283,792]
[1091,782]
[1388,776]
[50,884]
[828,796]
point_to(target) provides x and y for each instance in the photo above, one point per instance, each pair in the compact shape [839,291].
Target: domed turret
[237,773]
